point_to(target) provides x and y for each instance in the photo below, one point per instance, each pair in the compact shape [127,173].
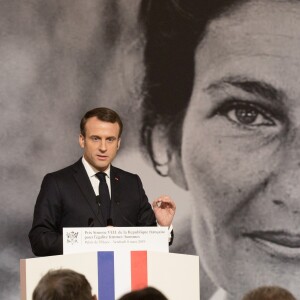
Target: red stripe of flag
[139,272]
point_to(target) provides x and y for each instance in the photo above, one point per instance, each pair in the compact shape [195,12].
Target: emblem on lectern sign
[72,237]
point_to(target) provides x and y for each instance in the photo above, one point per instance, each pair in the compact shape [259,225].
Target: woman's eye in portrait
[246,114]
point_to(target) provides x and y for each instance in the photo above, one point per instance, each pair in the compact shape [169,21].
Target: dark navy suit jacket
[67,199]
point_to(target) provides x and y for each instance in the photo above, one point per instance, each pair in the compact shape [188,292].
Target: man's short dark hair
[103,114]
[269,293]
[148,293]
[63,284]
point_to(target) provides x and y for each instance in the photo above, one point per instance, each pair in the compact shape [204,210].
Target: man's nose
[102,146]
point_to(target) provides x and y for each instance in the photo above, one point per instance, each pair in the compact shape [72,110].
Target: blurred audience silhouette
[269,293]
[149,293]
[63,284]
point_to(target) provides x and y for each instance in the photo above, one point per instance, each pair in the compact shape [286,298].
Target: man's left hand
[164,209]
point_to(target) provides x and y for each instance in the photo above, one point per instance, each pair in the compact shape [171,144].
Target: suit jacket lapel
[86,188]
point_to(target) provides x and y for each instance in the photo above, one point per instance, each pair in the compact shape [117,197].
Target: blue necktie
[104,196]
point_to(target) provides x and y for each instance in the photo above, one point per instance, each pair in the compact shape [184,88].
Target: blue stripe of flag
[106,281]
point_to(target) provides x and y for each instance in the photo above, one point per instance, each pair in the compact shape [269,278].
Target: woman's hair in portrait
[172,29]
[269,293]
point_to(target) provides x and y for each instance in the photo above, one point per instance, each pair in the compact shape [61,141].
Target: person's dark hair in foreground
[63,284]
[149,293]
[269,293]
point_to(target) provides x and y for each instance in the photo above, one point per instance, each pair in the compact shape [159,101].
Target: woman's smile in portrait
[241,147]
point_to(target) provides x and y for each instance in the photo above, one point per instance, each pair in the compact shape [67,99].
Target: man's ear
[81,141]
[167,158]
[119,143]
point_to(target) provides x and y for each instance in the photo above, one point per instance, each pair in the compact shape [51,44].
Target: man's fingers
[164,202]
[158,203]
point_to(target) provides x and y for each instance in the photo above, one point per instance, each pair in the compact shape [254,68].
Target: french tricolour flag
[121,272]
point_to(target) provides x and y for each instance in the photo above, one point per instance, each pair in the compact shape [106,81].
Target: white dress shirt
[94,179]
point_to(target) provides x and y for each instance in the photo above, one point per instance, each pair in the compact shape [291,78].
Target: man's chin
[102,167]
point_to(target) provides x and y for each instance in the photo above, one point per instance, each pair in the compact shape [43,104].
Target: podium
[116,272]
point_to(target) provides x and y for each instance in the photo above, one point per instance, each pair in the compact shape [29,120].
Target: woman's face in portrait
[241,147]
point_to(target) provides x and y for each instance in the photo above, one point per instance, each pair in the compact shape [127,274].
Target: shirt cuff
[170,229]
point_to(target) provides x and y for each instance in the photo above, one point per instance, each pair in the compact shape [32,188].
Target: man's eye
[246,114]
[95,139]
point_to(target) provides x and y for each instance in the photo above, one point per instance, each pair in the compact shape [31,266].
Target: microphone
[91,222]
[124,218]
[98,203]
[98,200]
[109,221]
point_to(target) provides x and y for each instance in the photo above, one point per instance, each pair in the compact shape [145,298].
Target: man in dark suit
[72,197]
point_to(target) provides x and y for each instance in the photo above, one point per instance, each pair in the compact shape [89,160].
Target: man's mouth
[102,157]
[277,242]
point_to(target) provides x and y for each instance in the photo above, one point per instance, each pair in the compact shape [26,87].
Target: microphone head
[98,200]
[109,222]
[91,222]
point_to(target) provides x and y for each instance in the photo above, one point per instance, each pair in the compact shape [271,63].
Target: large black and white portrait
[209,93]
[223,113]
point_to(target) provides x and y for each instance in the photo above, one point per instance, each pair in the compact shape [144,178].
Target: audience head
[269,293]
[63,284]
[148,293]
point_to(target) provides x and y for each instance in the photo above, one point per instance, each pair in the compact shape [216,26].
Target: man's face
[101,143]
[241,148]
